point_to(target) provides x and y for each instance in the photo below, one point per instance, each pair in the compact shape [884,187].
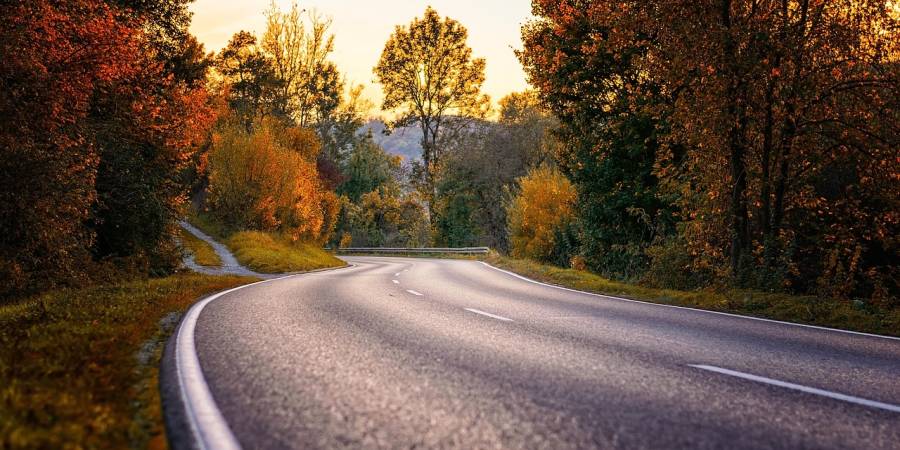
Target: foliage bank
[79,366]
[761,152]
[100,115]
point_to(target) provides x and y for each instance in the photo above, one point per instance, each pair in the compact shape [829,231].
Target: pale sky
[362,27]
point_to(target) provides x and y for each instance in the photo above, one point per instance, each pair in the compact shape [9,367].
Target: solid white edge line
[205,420]
[760,319]
[800,387]
[478,311]
[414,292]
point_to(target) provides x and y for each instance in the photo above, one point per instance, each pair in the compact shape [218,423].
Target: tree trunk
[736,92]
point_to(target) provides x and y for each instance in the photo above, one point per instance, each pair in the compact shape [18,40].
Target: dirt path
[230,264]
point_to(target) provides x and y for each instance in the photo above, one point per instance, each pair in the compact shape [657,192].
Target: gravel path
[230,264]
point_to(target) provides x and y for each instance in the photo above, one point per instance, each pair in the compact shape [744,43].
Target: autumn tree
[299,44]
[540,213]
[430,79]
[774,126]
[266,179]
[96,128]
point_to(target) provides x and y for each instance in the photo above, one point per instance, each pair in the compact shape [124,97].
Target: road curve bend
[413,352]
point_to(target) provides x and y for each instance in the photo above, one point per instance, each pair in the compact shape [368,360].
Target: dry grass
[69,372]
[271,253]
[834,313]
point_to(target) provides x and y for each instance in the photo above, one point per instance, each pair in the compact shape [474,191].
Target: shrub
[267,180]
[542,211]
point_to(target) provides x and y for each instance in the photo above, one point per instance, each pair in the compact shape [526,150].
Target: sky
[361,28]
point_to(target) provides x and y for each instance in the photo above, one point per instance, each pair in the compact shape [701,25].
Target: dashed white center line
[493,316]
[800,387]
[414,292]
[395,281]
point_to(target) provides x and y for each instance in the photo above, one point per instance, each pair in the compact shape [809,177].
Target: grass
[267,252]
[834,313]
[207,225]
[203,253]
[272,253]
[79,367]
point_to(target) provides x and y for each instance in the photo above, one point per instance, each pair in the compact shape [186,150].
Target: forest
[736,156]
[760,154]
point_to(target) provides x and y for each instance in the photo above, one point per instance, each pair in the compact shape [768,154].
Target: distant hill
[406,142]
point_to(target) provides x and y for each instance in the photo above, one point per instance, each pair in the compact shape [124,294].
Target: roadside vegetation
[671,165]
[203,253]
[79,367]
[273,253]
[835,313]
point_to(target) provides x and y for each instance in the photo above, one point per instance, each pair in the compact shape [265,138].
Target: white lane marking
[395,281]
[816,327]
[478,311]
[414,292]
[208,426]
[397,274]
[799,387]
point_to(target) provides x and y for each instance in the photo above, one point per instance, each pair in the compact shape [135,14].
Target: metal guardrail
[395,250]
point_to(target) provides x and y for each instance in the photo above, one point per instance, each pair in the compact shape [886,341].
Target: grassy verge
[207,225]
[271,253]
[855,315]
[79,367]
[203,253]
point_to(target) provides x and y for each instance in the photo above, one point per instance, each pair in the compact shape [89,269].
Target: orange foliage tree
[539,213]
[267,179]
[95,130]
[777,123]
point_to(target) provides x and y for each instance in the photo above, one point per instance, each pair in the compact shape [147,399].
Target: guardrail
[436,250]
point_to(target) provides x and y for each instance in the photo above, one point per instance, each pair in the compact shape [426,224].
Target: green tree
[430,78]
[609,144]
[482,167]
[368,168]
[250,80]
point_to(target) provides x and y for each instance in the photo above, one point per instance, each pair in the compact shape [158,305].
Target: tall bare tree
[299,44]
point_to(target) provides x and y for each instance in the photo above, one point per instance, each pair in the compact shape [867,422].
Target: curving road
[399,353]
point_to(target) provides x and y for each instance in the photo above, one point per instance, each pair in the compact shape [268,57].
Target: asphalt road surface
[426,353]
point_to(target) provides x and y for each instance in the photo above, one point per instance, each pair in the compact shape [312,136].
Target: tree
[249,76]
[49,160]
[96,129]
[368,168]
[482,167]
[541,212]
[609,140]
[428,74]
[266,180]
[310,86]
[776,128]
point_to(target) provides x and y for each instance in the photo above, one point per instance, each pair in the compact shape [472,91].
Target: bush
[271,253]
[267,180]
[540,214]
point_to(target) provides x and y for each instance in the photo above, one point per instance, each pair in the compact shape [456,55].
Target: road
[410,352]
